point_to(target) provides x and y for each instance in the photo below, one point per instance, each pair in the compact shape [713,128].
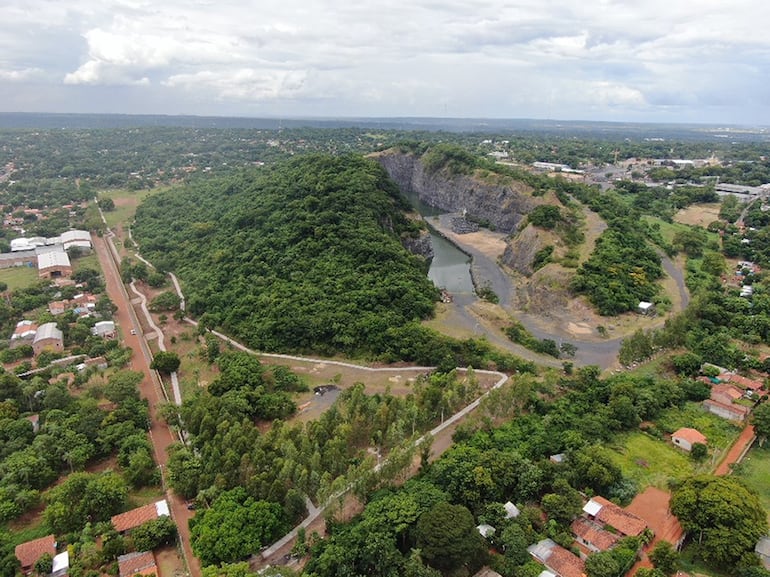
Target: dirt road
[160,434]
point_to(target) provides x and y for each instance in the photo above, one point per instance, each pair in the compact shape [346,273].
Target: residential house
[686,437]
[608,514]
[48,337]
[135,517]
[28,553]
[722,402]
[138,563]
[104,329]
[557,559]
[732,412]
[726,393]
[23,334]
[592,537]
[741,381]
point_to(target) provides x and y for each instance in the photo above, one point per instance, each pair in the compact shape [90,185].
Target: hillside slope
[306,255]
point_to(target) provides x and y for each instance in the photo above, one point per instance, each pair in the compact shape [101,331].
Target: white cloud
[477,58]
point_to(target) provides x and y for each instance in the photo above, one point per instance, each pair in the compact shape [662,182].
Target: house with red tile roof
[28,553]
[686,437]
[139,563]
[729,411]
[592,537]
[605,512]
[557,559]
[139,516]
[726,393]
[742,381]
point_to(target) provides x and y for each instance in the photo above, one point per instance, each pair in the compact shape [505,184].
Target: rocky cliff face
[501,205]
[420,245]
[521,250]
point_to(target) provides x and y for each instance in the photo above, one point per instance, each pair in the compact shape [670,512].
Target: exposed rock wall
[520,252]
[420,245]
[503,206]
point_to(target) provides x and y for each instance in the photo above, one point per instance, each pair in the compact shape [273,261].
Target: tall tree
[722,514]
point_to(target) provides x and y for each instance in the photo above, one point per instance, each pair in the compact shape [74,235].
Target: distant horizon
[469,123]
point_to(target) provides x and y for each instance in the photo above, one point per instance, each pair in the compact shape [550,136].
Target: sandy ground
[698,214]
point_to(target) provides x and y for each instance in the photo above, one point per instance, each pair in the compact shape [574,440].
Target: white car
[133,331]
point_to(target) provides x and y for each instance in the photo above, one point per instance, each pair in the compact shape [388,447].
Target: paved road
[160,434]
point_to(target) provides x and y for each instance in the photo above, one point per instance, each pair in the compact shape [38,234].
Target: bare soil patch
[698,214]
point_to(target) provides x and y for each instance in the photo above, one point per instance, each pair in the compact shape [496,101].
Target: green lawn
[754,470]
[650,461]
[719,432]
[19,277]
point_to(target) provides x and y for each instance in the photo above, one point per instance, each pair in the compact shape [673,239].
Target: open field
[126,202]
[719,432]
[650,461]
[754,470]
[698,214]
[86,261]
[18,277]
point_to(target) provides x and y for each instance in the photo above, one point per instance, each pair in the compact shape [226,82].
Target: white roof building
[511,510]
[79,238]
[61,564]
[53,259]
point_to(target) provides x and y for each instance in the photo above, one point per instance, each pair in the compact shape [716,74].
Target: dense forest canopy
[303,256]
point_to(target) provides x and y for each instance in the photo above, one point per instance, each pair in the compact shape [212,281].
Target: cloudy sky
[630,60]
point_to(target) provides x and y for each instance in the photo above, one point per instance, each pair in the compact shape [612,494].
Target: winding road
[591,350]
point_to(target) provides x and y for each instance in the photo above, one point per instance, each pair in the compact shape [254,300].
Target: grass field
[650,461]
[754,470]
[19,277]
[719,432]
[126,202]
[668,230]
[87,261]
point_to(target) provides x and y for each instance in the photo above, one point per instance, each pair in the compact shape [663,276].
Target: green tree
[234,527]
[664,557]
[760,418]
[122,386]
[154,533]
[44,565]
[722,515]
[165,362]
[448,539]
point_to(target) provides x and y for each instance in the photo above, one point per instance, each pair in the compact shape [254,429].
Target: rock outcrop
[420,245]
[521,250]
[502,205]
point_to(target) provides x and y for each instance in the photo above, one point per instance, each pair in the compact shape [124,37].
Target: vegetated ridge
[302,256]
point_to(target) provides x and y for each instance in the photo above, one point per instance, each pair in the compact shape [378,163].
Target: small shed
[511,510]
[686,437]
[485,530]
[645,308]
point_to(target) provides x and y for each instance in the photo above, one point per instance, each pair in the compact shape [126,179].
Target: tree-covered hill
[305,255]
